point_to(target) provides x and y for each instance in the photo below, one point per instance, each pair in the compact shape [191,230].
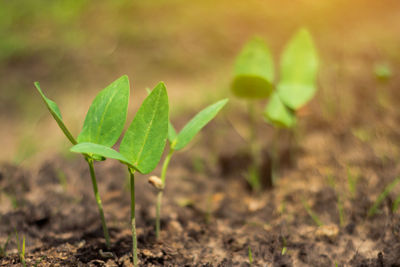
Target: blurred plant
[383,72]
[103,125]
[179,141]
[21,249]
[250,256]
[311,213]
[141,147]
[3,249]
[19,20]
[374,209]
[254,79]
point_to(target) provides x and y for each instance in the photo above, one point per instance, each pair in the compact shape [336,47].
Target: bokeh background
[76,48]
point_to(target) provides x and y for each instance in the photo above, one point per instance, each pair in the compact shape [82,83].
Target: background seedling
[3,249]
[254,79]
[250,256]
[21,249]
[311,213]
[373,210]
[103,125]
[352,179]
[141,147]
[284,246]
[179,140]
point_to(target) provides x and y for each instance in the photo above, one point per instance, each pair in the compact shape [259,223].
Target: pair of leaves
[105,119]
[189,131]
[298,72]
[144,141]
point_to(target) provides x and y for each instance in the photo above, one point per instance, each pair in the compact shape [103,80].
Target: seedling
[311,213]
[141,147]
[103,125]
[21,249]
[250,256]
[284,246]
[374,209]
[383,72]
[3,249]
[180,140]
[254,79]
[396,204]
[352,180]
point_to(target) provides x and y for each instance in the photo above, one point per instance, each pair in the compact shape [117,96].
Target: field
[318,213]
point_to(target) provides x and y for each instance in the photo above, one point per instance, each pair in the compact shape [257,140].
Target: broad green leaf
[278,114]
[253,71]
[171,132]
[92,149]
[144,141]
[55,112]
[106,117]
[299,66]
[196,124]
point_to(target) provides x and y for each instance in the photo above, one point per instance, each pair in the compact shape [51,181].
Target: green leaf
[299,66]
[278,114]
[106,117]
[253,71]
[196,124]
[171,132]
[92,149]
[55,112]
[144,141]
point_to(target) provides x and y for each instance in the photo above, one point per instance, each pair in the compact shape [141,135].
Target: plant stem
[98,200]
[252,139]
[160,193]
[254,171]
[133,220]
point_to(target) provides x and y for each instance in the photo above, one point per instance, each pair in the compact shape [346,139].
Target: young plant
[141,147]
[177,142]
[21,249]
[253,78]
[103,125]
[3,249]
[311,213]
[374,209]
[250,256]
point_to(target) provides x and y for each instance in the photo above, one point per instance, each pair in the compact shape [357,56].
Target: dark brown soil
[210,217]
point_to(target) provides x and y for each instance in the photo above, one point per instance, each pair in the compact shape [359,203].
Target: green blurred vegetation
[75,47]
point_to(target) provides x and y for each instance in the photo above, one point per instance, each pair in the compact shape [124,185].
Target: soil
[209,215]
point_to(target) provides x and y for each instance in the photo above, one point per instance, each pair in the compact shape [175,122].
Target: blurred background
[75,48]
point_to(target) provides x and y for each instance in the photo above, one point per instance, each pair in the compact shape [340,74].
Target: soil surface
[209,215]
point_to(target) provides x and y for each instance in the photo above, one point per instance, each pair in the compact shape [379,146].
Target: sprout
[141,147]
[178,141]
[103,125]
[254,79]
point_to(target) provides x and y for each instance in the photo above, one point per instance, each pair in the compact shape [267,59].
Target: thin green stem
[160,193]
[275,156]
[252,138]
[254,174]
[98,200]
[133,220]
